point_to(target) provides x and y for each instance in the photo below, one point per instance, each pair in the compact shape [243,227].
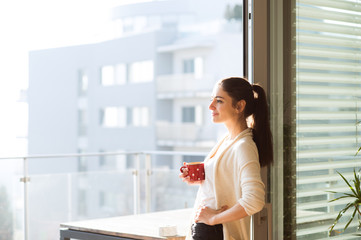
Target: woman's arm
[212,217]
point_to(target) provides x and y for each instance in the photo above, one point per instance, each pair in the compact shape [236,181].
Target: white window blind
[328,104]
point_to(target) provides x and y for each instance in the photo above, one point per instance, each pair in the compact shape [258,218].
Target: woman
[233,190]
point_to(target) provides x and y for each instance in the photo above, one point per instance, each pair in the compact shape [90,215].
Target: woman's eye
[219,101]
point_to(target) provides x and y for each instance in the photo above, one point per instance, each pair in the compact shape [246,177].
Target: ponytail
[256,108]
[262,135]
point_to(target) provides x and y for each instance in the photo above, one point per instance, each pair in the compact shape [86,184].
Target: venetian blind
[328,80]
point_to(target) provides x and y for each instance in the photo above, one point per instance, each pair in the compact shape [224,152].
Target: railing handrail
[96,154]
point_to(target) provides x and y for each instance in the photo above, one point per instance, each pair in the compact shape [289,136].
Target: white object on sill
[167,230]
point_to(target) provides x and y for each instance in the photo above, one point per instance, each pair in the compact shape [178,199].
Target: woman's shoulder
[245,142]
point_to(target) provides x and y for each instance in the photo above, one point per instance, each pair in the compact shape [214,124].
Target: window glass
[83,83]
[120,74]
[141,72]
[188,66]
[112,117]
[139,80]
[140,116]
[107,75]
[82,122]
[198,67]
[328,84]
[188,114]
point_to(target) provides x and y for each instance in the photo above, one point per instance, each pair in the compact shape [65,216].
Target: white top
[237,179]
[206,190]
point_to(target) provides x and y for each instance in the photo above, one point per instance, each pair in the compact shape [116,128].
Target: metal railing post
[136,185]
[148,169]
[69,187]
[25,179]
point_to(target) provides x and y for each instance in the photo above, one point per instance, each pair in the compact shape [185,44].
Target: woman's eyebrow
[219,97]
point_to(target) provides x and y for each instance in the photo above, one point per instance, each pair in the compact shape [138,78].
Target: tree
[6,218]
[233,13]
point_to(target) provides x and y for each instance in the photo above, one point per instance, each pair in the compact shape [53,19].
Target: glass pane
[107,77]
[59,198]
[168,192]
[328,84]
[11,199]
[129,95]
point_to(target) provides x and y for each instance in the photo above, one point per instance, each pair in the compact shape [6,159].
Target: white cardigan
[237,180]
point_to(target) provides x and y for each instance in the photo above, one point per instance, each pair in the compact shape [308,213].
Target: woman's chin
[215,120]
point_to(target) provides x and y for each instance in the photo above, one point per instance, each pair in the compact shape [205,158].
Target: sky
[27,25]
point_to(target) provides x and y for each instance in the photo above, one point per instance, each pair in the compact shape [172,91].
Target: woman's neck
[236,127]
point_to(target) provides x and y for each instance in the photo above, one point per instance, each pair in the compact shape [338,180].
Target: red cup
[195,170]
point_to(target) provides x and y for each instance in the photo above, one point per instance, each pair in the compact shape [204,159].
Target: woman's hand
[185,178]
[207,215]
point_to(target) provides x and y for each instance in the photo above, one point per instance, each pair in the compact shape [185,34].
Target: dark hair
[257,108]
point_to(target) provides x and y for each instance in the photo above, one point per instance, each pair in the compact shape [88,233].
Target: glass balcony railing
[97,185]
[189,84]
[180,133]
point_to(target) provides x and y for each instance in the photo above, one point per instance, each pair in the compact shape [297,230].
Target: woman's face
[221,107]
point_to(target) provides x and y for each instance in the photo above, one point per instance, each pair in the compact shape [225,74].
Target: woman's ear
[241,106]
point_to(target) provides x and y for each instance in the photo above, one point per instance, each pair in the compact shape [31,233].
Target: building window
[82,202]
[113,117]
[188,66]
[140,116]
[107,75]
[193,66]
[188,114]
[141,72]
[192,114]
[114,74]
[82,164]
[198,67]
[82,83]
[82,122]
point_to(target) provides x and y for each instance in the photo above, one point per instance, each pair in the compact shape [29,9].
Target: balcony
[185,134]
[96,185]
[184,86]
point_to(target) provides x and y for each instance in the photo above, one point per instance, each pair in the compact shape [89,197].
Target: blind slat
[346,91]
[314,64]
[329,115]
[321,128]
[328,53]
[328,27]
[321,179]
[327,40]
[344,5]
[327,165]
[329,78]
[322,14]
[327,140]
[320,191]
[350,103]
[331,153]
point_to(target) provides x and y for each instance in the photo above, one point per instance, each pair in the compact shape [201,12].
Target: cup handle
[182,167]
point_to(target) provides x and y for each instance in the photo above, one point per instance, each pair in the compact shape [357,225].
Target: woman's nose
[211,105]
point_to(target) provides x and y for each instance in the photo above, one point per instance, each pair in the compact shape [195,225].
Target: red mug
[195,170]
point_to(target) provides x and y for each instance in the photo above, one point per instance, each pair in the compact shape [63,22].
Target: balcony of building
[34,202]
[184,85]
[185,134]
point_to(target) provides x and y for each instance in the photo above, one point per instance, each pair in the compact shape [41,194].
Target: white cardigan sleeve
[252,187]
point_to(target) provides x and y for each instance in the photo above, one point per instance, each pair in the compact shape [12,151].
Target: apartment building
[146,89]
